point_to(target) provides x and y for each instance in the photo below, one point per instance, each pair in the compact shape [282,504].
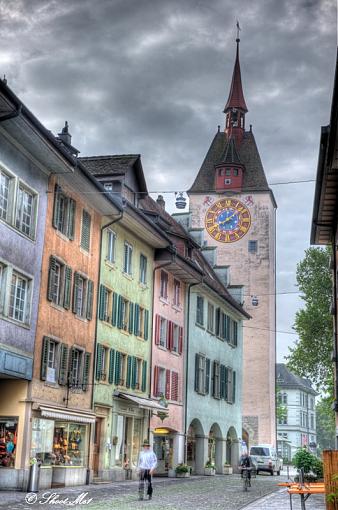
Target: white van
[264,457]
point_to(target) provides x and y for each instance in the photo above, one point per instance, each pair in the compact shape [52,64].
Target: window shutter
[213,382]
[56,208]
[90,296]
[233,386]
[168,339]
[117,367]
[98,368]
[51,276]
[144,376]
[63,367]
[228,329]
[119,313]
[133,372]
[125,259]
[217,321]
[197,370]
[114,309]
[155,388]
[44,358]
[136,319]
[68,287]
[157,329]
[235,333]
[174,386]
[180,340]
[222,375]
[131,317]
[146,324]
[167,384]
[85,230]
[207,375]
[86,370]
[128,380]
[101,302]
[226,393]
[111,366]
[76,290]
[71,218]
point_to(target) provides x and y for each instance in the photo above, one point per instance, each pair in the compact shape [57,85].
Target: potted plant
[209,468]
[182,470]
[227,469]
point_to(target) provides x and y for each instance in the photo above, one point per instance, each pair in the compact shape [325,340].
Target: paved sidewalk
[280,500]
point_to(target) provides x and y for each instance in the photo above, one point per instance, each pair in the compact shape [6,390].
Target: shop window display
[69,444]
[42,440]
[8,438]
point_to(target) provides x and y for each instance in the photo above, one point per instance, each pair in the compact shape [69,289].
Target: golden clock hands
[227,219]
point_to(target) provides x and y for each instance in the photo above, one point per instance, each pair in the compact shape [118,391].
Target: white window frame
[161,382]
[128,258]
[163,332]
[201,300]
[176,337]
[21,189]
[111,246]
[211,318]
[201,373]
[164,282]
[6,271]
[23,312]
[125,314]
[143,269]
[177,292]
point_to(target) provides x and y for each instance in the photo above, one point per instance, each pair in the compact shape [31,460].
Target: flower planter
[183,475]
[209,471]
[227,470]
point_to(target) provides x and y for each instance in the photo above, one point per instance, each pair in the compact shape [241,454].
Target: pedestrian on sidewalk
[147,463]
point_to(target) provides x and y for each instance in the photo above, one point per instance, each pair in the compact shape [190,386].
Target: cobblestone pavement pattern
[195,493]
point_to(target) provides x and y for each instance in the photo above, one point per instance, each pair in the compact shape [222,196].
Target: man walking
[146,464]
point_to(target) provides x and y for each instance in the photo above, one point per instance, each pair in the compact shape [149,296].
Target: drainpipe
[186,369]
[164,264]
[115,220]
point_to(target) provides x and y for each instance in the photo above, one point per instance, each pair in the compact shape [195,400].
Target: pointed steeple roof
[236,96]
[230,154]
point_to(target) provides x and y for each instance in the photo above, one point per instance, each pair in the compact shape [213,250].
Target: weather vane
[238,29]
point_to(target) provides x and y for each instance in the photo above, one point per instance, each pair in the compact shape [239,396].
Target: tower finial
[238,30]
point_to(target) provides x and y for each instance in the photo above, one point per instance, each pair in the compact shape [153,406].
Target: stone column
[235,454]
[220,454]
[201,455]
[178,449]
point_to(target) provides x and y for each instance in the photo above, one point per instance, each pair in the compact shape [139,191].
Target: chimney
[161,202]
[65,136]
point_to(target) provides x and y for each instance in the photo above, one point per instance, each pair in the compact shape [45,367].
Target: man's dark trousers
[145,476]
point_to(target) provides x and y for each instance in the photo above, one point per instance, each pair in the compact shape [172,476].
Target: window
[4,195]
[104,304]
[111,245]
[224,328]
[18,300]
[25,211]
[76,360]
[235,172]
[177,293]
[79,295]
[52,361]
[283,420]
[216,380]
[64,213]
[59,283]
[125,314]
[143,269]
[164,285]
[161,382]
[232,332]
[252,246]
[85,230]
[202,374]
[163,332]
[174,386]
[108,186]
[127,260]
[176,337]
[101,362]
[200,311]
[228,171]
[211,316]
[83,296]
[231,385]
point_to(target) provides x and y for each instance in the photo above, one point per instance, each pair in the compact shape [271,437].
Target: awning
[144,403]
[67,415]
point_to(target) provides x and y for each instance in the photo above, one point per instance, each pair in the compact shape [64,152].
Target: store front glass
[42,440]
[136,440]
[8,440]
[128,441]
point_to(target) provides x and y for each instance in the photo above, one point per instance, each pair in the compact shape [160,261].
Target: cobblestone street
[196,493]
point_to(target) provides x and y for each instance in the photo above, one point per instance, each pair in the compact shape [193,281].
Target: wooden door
[96,450]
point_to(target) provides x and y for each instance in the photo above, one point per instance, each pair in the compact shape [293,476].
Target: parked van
[264,457]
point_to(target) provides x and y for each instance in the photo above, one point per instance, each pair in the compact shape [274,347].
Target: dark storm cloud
[152,77]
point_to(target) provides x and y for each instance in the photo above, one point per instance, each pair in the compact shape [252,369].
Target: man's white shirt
[147,460]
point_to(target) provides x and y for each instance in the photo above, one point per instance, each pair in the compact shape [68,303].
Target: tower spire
[235,108]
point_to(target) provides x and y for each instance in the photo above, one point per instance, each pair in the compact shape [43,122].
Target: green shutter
[233,387]
[68,286]
[131,317]
[86,370]
[114,309]
[197,360]
[223,381]
[133,372]
[111,366]
[102,299]
[144,376]
[137,332]
[76,290]
[98,367]
[63,367]
[85,230]
[235,333]
[44,358]
[71,218]
[119,313]
[70,367]
[56,208]
[90,296]
[207,375]
[128,379]
[117,367]
[228,330]
[51,275]
[146,324]
[226,393]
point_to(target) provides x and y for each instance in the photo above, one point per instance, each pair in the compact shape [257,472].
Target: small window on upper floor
[108,186]
[85,230]
[127,259]
[143,269]
[200,311]
[252,246]
[164,285]
[177,293]
[235,172]
[111,245]
[228,171]
[64,213]
[25,211]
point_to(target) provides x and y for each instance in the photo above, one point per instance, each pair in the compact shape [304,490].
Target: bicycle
[245,476]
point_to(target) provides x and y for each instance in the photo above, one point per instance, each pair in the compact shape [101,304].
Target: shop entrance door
[97,441]
[163,447]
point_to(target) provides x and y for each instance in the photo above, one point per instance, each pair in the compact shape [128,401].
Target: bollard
[34,478]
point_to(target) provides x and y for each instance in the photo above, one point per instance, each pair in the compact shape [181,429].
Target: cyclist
[246,462]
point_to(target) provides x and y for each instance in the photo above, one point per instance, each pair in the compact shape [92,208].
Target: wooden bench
[304,490]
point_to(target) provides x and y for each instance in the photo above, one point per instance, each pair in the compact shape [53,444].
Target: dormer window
[235,172]
[108,186]
[228,171]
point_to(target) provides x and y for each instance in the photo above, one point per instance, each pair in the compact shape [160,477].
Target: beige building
[233,215]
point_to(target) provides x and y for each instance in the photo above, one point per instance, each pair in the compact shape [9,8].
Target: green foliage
[281,410]
[182,468]
[326,426]
[309,462]
[311,356]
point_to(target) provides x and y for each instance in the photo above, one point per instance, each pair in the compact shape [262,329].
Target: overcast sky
[152,77]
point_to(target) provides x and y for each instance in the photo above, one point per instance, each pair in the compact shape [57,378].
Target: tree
[326,426]
[281,410]
[311,355]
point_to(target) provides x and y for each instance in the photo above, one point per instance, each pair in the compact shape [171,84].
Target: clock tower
[232,214]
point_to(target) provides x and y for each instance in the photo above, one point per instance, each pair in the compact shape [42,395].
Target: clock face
[227,220]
